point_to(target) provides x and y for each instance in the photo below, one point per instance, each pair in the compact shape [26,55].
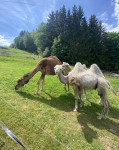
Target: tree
[40,37]
[68,35]
[112,52]
[96,46]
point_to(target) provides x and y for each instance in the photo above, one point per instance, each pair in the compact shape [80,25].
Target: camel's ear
[66,64]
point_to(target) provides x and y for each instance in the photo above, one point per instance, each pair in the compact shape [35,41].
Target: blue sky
[17,15]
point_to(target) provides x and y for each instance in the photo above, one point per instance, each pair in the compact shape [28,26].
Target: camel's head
[71,80]
[20,82]
[66,66]
[58,69]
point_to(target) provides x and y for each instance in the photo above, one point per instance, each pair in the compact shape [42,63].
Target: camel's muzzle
[17,87]
[57,70]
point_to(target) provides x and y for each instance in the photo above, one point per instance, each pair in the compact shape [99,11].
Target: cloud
[116,13]
[5,41]
[107,26]
[48,10]
[103,16]
[110,27]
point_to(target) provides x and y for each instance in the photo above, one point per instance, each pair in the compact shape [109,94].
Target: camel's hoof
[75,110]
[104,117]
[40,90]
[99,117]
[36,93]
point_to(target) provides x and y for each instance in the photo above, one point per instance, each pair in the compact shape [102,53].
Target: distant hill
[16,53]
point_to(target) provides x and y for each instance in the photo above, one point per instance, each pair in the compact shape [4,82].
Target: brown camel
[45,66]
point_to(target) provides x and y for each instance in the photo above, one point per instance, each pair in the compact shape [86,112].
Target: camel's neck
[29,75]
[33,72]
[63,79]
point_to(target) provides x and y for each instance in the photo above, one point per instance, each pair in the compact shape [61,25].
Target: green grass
[51,110]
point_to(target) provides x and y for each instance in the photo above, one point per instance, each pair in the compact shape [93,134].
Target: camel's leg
[102,113]
[76,97]
[86,97]
[85,94]
[81,98]
[104,106]
[102,92]
[68,88]
[41,78]
[107,108]
[65,87]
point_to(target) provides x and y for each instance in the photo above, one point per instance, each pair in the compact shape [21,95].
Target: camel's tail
[111,88]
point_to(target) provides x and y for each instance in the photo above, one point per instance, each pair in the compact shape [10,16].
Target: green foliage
[68,35]
[40,37]
[57,48]
[25,42]
[46,52]
[112,54]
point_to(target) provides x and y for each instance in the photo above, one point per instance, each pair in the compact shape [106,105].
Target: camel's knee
[38,82]
[106,104]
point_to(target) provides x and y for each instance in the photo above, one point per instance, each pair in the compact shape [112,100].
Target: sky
[17,15]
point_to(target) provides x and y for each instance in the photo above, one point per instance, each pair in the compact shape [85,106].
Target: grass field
[46,121]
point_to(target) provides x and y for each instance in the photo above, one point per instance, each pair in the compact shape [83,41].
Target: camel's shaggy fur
[66,68]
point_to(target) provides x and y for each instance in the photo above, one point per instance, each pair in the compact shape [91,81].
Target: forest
[68,35]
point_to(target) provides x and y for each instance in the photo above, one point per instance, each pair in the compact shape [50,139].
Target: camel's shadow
[87,115]
[64,102]
[87,118]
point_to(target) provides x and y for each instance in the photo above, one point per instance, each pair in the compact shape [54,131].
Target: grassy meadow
[46,121]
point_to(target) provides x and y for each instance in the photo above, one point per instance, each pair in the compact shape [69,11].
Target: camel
[77,69]
[66,69]
[45,66]
[90,79]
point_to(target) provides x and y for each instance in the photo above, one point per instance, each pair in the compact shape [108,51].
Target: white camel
[65,70]
[77,69]
[65,67]
[87,80]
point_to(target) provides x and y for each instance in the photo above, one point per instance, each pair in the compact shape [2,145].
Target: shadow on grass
[87,118]
[63,102]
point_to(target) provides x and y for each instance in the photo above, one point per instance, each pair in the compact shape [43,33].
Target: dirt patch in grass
[106,141]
